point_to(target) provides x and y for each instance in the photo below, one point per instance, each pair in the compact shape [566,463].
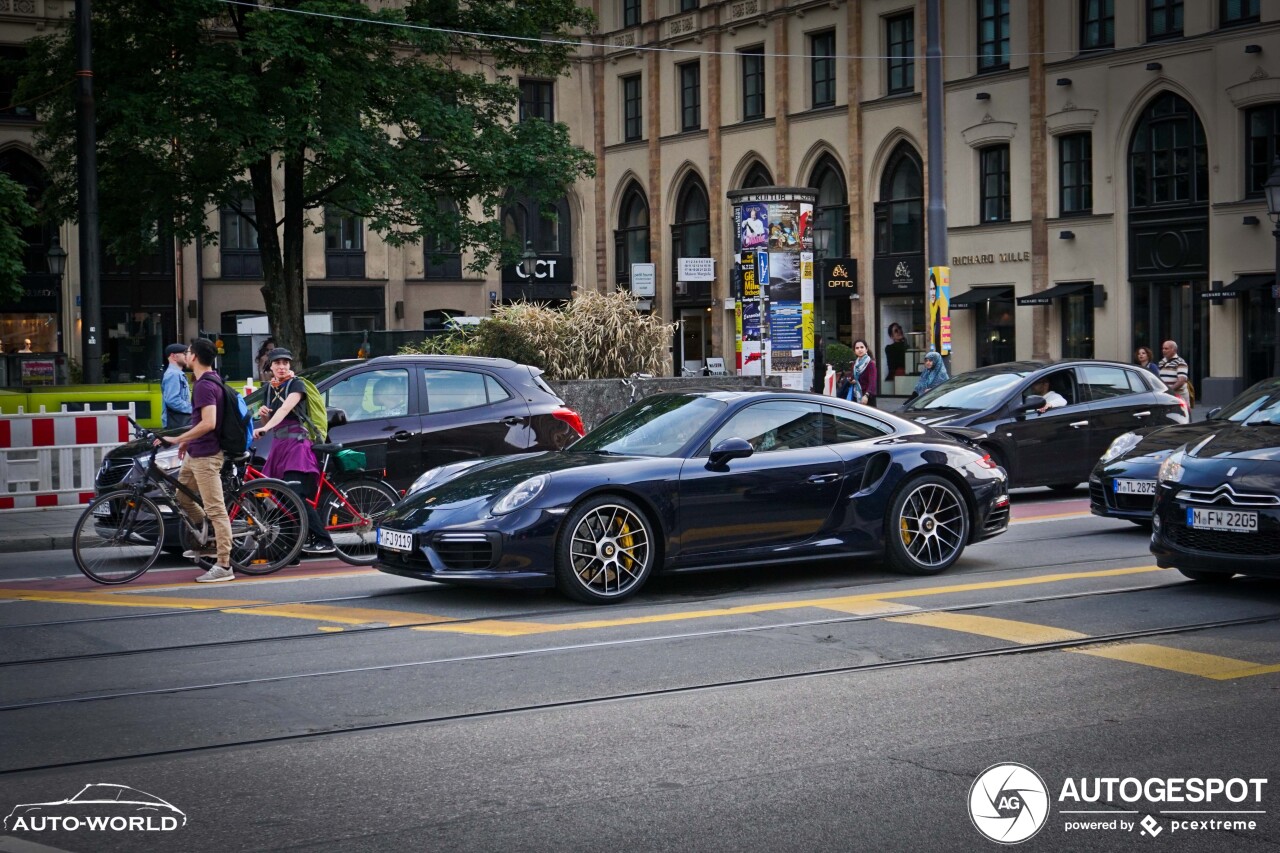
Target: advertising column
[773,233]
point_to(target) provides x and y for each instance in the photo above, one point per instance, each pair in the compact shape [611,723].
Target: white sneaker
[203,553]
[217,573]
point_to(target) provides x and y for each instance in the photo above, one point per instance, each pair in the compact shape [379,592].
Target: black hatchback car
[452,408]
[1217,504]
[1057,448]
[1123,483]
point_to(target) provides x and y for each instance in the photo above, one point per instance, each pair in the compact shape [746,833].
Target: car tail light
[570,417]
[987,462]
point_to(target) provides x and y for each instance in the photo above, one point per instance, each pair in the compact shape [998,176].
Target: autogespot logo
[1008,803]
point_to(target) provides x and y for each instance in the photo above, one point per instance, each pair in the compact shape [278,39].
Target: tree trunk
[282,278]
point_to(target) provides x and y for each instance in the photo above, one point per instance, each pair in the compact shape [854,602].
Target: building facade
[1104,166]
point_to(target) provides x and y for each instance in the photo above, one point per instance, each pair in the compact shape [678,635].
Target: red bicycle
[350,508]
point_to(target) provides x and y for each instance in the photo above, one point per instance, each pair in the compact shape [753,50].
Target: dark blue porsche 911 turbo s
[698,481]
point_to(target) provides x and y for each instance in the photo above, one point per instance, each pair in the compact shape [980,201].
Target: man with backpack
[200,449]
[291,408]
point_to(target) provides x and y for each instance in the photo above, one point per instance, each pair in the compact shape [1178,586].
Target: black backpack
[235,431]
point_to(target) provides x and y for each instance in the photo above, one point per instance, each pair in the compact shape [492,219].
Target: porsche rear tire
[606,551]
[927,527]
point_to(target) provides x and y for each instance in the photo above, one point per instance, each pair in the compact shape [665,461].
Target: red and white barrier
[51,459]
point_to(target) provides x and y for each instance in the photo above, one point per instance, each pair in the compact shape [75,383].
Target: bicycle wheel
[351,518]
[118,537]
[268,526]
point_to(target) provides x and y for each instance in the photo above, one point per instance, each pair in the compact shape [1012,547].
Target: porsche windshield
[973,391]
[656,426]
[1253,406]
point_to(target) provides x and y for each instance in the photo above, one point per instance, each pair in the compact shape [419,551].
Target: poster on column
[747,317]
[940,308]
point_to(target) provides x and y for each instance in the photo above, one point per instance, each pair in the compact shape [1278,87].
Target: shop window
[546,226]
[691,233]
[1077,324]
[900,212]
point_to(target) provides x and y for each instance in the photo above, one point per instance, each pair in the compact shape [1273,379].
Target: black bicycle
[120,533]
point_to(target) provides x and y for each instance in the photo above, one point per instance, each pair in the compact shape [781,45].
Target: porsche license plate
[395,540]
[1230,520]
[1135,487]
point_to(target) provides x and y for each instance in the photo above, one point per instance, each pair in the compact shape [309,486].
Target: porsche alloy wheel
[928,527]
[606,551]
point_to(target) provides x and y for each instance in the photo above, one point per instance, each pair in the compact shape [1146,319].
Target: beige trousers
[203,475]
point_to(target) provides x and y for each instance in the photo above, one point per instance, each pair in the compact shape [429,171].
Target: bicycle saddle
[326,448]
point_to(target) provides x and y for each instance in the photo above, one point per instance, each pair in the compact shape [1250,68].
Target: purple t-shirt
[207,392]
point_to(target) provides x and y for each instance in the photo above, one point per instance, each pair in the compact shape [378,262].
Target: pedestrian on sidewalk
[864,375]
[201,453]
[175,393]
[291,457]
[1175,372]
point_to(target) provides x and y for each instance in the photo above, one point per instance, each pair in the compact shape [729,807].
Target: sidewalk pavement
[50,529]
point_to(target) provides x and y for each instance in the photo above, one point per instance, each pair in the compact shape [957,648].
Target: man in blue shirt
[174,389]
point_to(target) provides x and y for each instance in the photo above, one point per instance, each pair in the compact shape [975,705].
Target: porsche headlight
[1122,445]
[167,459]
[443,474]
[520,495]
[1171,468]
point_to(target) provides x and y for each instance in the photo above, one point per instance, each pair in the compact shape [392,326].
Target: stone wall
[596,399]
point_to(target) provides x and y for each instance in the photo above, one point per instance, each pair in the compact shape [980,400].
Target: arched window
[900,211]
[631,240]
[691,234]
[546,226]
[757,176]
[832,209]
[1168,156]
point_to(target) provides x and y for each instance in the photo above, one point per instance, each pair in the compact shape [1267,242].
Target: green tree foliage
[839,356]
[15,214]
[389,114]
[597,336]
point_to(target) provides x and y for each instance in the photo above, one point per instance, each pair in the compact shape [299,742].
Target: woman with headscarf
[863,387]
[933,374]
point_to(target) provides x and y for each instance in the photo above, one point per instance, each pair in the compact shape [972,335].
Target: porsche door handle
[1142,414]
[1078,424]
[824,478]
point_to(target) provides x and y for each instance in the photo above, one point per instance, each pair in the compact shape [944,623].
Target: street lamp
[1272,189]
[57,257]
[528,258]
[821,243]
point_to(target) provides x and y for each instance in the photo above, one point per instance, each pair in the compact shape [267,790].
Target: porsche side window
[844,426]
[783,425]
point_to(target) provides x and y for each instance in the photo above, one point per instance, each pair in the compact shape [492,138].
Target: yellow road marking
[1179,660]
[1077,514]
[1024,633]
[873,608]
[112,599]
[341,615]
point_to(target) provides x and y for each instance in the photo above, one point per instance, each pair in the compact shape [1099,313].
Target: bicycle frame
[251,473]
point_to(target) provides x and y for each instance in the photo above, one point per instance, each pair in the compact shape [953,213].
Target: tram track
[621,696]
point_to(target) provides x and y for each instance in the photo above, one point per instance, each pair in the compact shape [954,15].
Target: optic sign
[643,279]
[697,269]
[557,269]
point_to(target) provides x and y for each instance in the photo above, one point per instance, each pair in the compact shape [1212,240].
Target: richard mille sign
[995,258]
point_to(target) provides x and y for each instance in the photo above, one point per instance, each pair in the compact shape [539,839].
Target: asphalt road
[830,707]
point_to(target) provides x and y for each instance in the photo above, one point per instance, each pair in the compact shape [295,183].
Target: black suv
[448,408]
[1058,447]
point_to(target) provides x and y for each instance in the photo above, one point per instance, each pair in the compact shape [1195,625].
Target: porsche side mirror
[1213,413]
[730,448]
[337,417]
